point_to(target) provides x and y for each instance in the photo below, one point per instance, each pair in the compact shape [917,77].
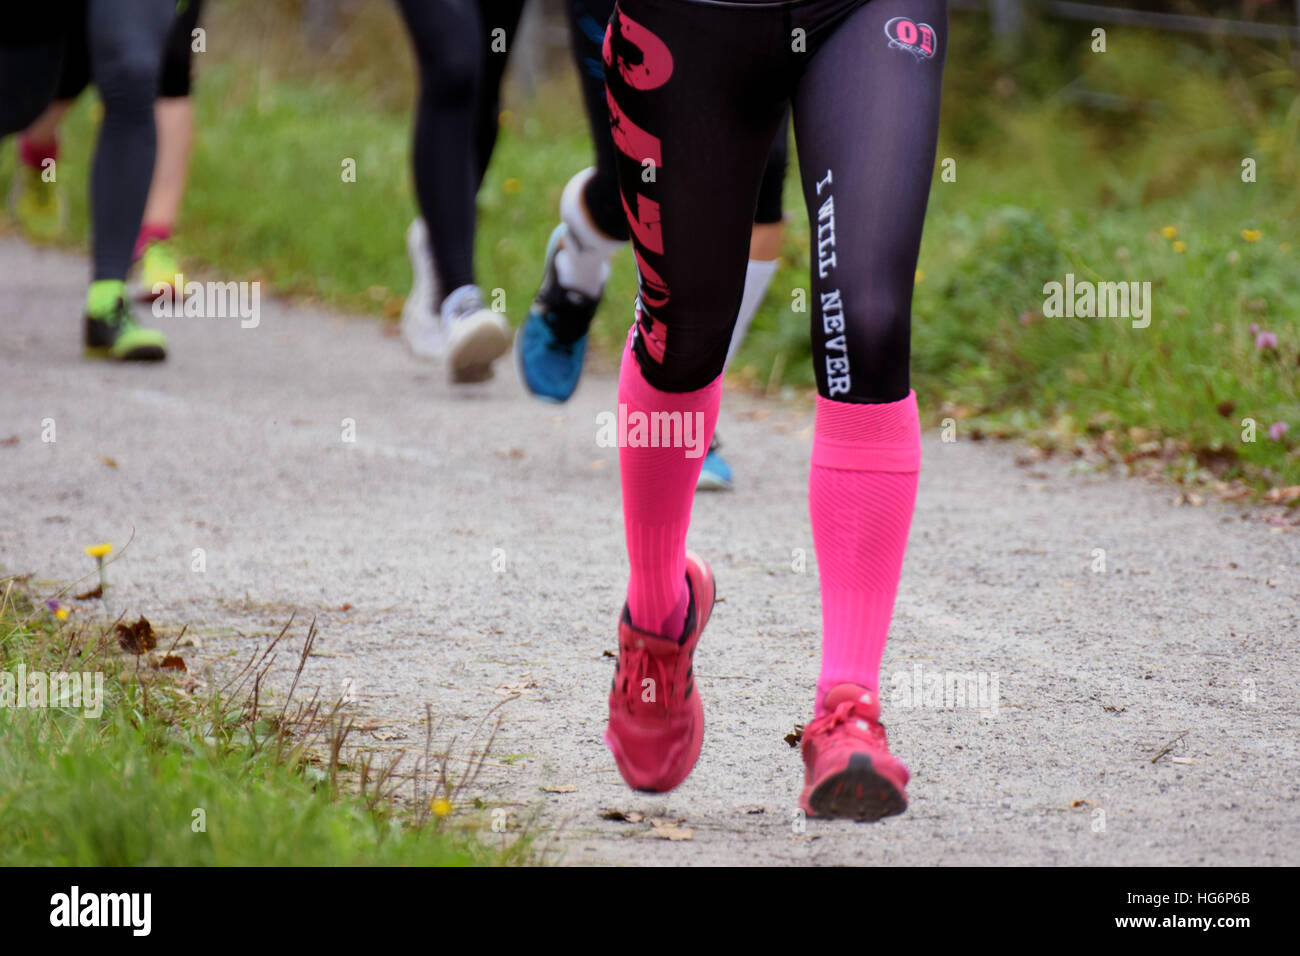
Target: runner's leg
[499,23]
[677,71]
[174,119]
[446,36]
[866,119]
[126,45]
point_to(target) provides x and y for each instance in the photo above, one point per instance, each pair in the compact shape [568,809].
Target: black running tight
[587,22]
[461,48]
[697,91]
[126,40]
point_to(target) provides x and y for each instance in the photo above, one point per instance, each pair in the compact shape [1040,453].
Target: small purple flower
[52,605]
[1254,328]
[1277,430]
[1265,340]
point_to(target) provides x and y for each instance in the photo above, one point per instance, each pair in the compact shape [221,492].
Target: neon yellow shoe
[158,266]
[111,329]
[35,204]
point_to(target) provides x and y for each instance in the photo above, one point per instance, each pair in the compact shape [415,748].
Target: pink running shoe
[848,769]
[656,720]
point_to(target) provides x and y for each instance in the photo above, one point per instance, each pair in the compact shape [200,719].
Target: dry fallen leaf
[136,638]
[669,830]
[1283,494]
[793,738]
[108,461]
[562,788]
[621,816]
[517,687]
[173,663]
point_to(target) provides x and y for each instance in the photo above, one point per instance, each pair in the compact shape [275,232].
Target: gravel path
[477,538]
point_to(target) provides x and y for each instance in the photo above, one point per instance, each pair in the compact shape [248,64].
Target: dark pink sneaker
[848,769]
[656,720]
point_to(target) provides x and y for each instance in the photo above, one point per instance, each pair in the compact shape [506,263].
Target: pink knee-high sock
[658,488]
[861,491]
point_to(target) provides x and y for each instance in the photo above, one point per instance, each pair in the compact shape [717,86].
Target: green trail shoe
[35,204]
[158,265]
[111,329]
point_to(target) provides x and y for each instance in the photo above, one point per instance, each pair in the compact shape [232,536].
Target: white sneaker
[422,329]
[474,342]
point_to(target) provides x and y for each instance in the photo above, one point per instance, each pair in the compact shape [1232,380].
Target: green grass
[167,777]
[1044,186]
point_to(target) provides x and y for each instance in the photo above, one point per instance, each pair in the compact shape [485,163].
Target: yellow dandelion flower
[920,276]
[1180,247]
[99,550]
[1169,232]
[61,614]
[1251,235]
[510,186]
[441,807]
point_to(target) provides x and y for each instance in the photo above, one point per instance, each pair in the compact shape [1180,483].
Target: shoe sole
[858,792]
[143,353]
[709,482]
[424,289]
[707,572]
[470,358]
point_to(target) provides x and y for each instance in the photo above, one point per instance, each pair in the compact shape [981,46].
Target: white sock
[460,302]
[582,263]
[758,276]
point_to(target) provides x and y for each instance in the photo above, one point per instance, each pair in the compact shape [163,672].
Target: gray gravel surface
[477,537]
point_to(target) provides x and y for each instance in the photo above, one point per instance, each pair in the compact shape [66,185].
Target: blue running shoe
[715,475]
[552,342]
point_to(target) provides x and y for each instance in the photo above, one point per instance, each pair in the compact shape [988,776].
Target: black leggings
[587,22]
[173,81]
[461,48]
[699,89]
[126,45]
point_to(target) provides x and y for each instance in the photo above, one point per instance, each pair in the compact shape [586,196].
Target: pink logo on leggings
[642,58]
[916,38]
